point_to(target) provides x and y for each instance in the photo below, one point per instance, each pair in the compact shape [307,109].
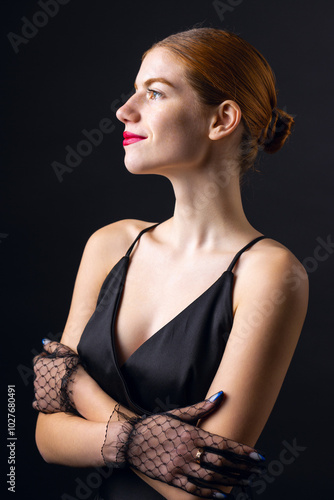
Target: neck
[208,209]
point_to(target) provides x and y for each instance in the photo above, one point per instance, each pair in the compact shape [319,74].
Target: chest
[175,366]
[155,295]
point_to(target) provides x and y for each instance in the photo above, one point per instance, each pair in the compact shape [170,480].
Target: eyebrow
[152,80]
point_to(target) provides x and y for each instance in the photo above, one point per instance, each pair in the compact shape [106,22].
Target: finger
[241,454]
[221,473]
[50,346]
[217,463]
[36,406]
[198,410]
[205,489]
[222,476]
[57,348]
[229,476]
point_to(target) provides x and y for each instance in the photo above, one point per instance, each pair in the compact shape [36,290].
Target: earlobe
[225,120]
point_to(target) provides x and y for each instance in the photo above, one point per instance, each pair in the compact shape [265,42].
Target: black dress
[173,368]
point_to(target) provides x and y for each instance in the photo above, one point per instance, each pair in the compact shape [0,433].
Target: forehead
[161,63]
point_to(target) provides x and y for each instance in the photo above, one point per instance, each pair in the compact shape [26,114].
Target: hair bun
[280,127]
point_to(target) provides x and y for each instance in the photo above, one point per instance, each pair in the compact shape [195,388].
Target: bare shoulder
[103,250]
[270,302]
[109,243]
[270,268]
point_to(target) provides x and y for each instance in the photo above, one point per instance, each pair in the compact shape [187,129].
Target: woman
[196,304]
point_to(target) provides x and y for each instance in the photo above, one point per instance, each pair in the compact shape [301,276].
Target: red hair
[220,65]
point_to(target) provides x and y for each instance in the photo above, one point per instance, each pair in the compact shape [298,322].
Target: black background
[64,80]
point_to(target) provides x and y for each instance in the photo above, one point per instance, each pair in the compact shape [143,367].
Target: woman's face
[167,115]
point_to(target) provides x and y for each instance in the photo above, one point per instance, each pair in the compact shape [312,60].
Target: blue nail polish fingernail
[217,494]
[216,396]
[46,341]
[256,456]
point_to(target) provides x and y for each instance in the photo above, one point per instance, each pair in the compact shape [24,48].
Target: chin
[159,167]
[136,167]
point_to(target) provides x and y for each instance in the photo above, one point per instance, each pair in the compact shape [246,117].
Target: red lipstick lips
[130,138]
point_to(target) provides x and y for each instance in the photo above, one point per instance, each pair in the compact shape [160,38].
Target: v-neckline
[126,259]
[160,330]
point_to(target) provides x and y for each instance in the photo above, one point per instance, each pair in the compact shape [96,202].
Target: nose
[129,111]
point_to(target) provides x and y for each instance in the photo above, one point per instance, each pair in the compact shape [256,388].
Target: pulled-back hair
[220,65]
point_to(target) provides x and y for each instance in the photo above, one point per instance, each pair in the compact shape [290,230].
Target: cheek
[178,127]
[191,121]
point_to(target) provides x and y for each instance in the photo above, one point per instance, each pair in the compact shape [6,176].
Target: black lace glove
[55,369]
[169,447]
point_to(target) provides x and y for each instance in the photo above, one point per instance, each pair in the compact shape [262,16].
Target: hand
[169,447]
[55,370]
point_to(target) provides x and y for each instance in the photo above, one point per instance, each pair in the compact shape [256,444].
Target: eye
[153,94]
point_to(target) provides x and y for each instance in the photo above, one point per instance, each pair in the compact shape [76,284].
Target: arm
[269,314]
[270,303]
[83,440]
[104,248]
[170,492]
[162,446]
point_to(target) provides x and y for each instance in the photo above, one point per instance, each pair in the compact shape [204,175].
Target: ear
[225,120]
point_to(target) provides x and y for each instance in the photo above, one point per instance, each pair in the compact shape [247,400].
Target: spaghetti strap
[251,243]
[138,237]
